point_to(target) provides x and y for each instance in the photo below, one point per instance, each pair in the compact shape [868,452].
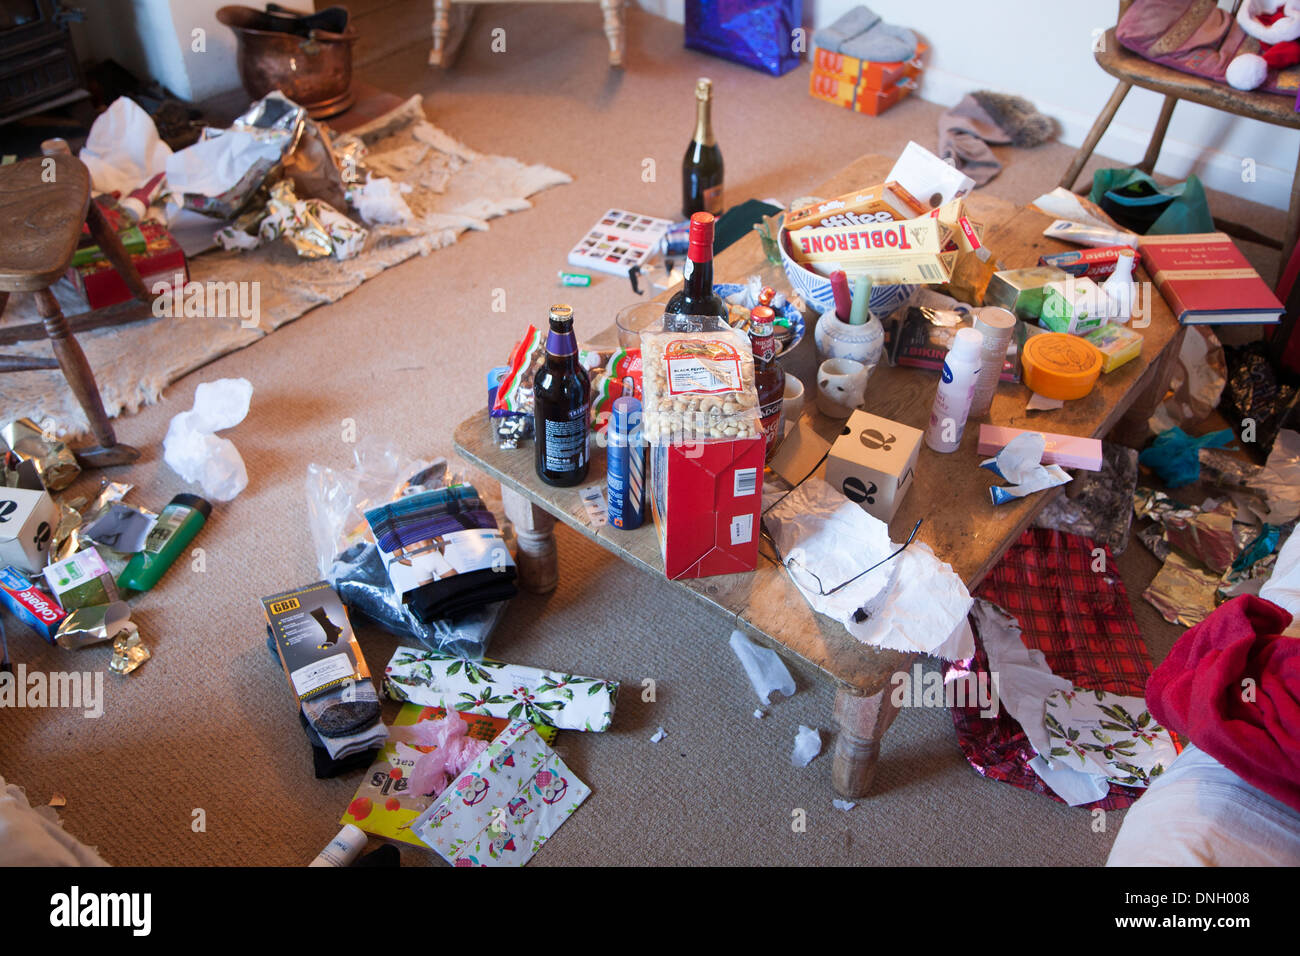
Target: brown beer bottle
[769,377]
[561,392]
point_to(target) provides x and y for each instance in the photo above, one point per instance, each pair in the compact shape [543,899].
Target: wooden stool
[43,203]
[1132,70]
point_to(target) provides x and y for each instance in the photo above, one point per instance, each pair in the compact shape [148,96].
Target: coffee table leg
[539,570]
[862,722]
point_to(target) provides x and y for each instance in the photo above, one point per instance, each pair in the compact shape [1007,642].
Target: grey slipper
[854,23]
[884,43]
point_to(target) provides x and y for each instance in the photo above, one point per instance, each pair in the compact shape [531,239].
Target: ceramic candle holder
[837,339]
[841,387]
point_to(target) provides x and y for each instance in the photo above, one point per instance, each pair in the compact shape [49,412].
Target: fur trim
[1018,118]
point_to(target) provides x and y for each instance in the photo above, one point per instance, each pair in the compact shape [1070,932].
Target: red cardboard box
[706,506]
[161,260]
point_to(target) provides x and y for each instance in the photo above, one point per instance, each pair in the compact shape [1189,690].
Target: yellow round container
[1061,366]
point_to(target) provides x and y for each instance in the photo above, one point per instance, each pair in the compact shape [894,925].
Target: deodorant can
[625,469]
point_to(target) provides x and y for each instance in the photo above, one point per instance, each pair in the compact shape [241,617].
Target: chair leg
[1095,134]
[1292,233]
[1148,163]
[116,253]
[441,26]
[613,10]
[82,382]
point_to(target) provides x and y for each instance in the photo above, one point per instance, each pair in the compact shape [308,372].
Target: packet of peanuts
[697,387]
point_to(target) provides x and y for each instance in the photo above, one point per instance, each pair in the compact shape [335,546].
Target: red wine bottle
[696,296]
[561,393]
[702,165]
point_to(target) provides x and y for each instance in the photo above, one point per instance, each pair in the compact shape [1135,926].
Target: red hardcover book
[161,260]
[1207,281]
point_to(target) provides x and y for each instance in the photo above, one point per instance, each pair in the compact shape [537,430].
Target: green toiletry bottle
[179,522]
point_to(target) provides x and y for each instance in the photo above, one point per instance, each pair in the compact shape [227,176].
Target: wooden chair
[450,24]
[1132,70]
[43,203]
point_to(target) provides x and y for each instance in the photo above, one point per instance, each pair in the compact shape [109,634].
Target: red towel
[1232,685]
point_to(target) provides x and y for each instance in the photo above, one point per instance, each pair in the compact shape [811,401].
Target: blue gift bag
[756,33]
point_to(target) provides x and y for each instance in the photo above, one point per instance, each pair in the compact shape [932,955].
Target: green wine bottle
[702,165]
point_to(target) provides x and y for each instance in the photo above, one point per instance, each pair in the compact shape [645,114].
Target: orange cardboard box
[869,73]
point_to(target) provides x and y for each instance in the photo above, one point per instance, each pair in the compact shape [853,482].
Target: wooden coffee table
[950,492]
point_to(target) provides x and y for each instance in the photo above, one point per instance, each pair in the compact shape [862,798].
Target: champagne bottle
[561,392]
[702,166]
[696,297]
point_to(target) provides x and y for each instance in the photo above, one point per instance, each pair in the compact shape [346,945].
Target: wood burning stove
[38,66]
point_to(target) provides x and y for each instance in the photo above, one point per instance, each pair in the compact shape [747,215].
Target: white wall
[155,38]
[1042,50]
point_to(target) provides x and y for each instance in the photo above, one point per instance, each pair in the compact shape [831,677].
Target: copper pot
[314,71]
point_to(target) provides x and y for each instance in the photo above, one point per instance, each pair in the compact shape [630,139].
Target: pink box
[1064,450]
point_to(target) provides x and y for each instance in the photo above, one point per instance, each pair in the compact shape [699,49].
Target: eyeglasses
[821,588]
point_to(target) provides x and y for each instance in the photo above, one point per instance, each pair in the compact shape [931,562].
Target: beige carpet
[208,722]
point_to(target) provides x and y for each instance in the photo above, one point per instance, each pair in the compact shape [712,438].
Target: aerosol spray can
[625,456]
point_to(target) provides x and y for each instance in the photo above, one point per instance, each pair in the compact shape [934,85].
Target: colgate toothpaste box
[706,503]
[1092,264]
[30,604]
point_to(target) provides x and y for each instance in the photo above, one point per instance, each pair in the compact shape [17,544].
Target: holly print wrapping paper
[503,809]
[1107,734]
[512,691]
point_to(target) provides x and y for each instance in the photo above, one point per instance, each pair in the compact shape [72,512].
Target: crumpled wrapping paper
[913,602]
[1100,504]
[194,451]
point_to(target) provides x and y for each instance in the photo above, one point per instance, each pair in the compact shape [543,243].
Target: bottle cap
[562,315]
[700,248]
[966,343]
[201,505]
[761,318]
[703,88]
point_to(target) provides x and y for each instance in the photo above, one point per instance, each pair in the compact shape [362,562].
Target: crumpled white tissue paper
[193,450]
[380,200]
[807,744]
[765,670]
[914,602]
[123,150]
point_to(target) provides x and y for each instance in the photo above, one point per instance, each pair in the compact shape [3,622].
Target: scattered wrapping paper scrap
[764,668]
[129,651]
[194,451]
[807,745]
[1181,591]
[914,602]
[1174,455]
[658,735]
[121,528]
[1107,734]
[94,625]
[380,200]
[1231,685]
[505,807]
[1021,463]
[314,228]
[1100,504]
[55,463]
[57,800]
[1280,479]
[490,687]
[845,805]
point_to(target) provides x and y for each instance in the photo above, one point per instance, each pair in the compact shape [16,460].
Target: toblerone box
[912,251]
[884,202]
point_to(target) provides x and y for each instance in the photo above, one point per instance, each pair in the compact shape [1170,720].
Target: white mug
[841,387]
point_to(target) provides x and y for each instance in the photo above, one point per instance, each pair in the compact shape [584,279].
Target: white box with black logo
[873,462]
[27,522]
